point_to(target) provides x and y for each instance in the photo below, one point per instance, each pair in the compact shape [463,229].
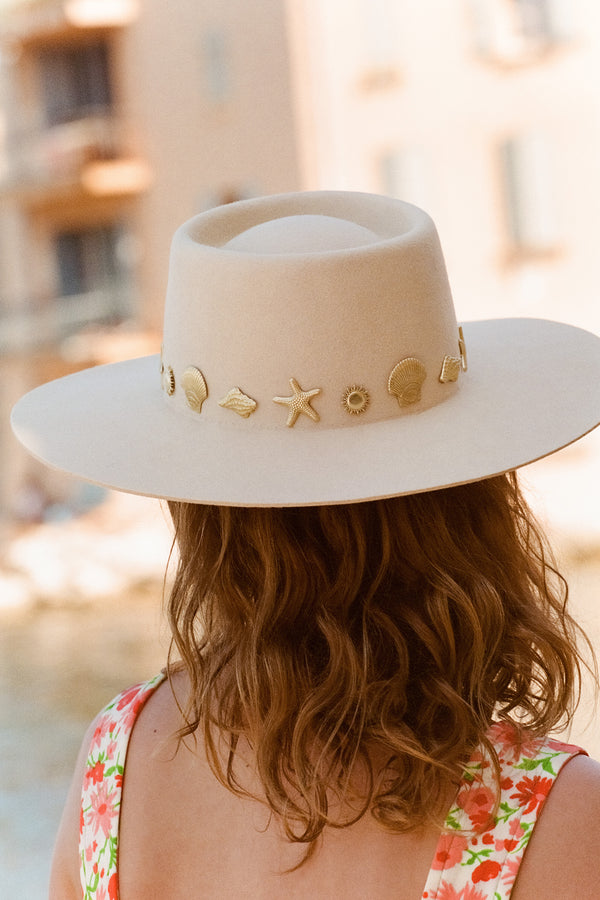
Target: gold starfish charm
[298,403]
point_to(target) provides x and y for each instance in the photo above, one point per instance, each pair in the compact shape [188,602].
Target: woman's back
[359,595]
[183,835]
[226,846]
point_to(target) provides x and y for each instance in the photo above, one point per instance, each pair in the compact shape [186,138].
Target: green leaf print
[547,766]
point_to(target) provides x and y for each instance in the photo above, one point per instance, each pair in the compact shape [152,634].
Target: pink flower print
[112,748]
[447,892]
[90,850]
[96,773]
[503,735]
[477,802]
[449,851]
[532,792]
[102,729]
[103,811]
[531,748]
[508,741]
[516,831]
[129,706]
[127,697]
[511,869]
[506,844]
[486,870]
[479,759]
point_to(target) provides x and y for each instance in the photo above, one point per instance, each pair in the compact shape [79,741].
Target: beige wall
[434,95]
[202,149]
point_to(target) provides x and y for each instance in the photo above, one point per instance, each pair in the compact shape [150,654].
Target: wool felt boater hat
[312,355]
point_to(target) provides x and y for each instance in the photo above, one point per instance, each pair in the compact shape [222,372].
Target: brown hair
[404,626]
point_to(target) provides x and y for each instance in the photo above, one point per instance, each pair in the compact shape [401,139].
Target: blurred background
[119,119]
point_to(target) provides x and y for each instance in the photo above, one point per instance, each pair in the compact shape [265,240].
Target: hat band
[404,384]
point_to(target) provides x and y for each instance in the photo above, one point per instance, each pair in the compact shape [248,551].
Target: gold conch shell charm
[194,386]
[406,380]
[239,402]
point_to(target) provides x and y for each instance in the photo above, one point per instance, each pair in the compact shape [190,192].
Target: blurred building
[123,118]
[485,112]
[118,120]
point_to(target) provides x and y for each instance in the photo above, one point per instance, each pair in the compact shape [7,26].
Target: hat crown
[331,290]
[302,234]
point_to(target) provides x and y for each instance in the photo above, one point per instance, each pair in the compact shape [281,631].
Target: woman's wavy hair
[397,630]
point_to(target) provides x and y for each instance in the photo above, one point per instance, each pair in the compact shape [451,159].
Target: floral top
[102,789]
[479,851]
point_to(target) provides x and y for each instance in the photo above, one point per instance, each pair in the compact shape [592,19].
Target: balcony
[30,327]
[85,158]
[30,23]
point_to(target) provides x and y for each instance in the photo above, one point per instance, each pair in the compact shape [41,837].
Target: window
[532,19]
[403,174]
[516,31]
[529,199]
[92,278]
[380,30]
[75,82]
[216,66]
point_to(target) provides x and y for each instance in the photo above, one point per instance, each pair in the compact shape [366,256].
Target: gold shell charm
[194,386]
[463,349]
[168,380]
[450,369]
[239,402]
[406,380]
[355,399]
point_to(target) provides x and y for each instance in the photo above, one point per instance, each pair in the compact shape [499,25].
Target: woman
[373,642]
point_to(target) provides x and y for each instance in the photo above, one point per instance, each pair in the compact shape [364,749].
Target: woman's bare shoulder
[562,859]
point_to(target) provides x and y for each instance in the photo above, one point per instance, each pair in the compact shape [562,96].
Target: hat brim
[531,388]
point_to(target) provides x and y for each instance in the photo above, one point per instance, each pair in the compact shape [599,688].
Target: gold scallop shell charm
[239,402]
[406,380]
[194,387]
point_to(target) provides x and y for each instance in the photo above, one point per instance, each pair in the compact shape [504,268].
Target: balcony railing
[36,21]
[34,325]
[60,151]
[53,158]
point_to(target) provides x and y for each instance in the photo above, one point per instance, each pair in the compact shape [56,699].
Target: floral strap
[479,854]
[102,790]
